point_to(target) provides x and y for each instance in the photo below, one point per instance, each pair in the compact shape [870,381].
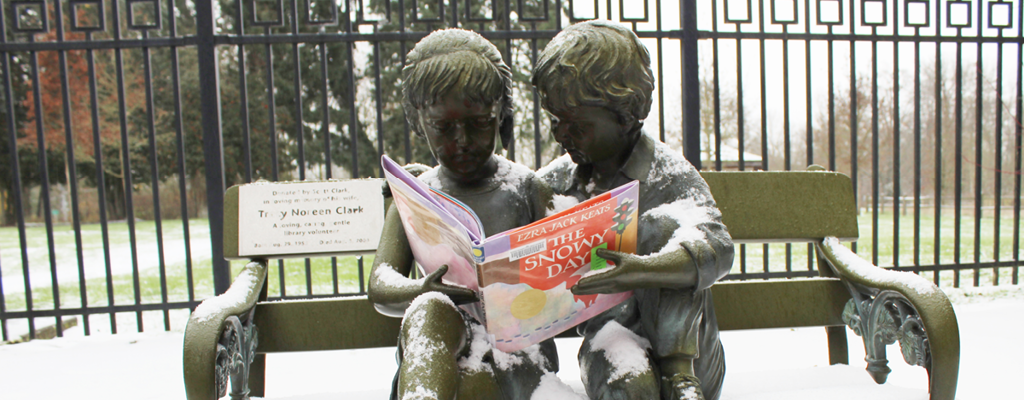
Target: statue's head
[600,64]
[457,93]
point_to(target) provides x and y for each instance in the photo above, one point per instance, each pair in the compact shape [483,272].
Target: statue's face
[590,134]
[462,135]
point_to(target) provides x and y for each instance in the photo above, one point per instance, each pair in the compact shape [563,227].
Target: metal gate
[124,120]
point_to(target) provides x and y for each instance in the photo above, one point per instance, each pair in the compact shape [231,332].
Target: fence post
[690,82]
[213,149]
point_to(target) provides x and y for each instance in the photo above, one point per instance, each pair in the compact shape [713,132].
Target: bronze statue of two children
[595,83]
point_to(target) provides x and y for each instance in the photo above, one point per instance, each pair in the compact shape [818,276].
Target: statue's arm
[390,289]
[711,257]
[711,253]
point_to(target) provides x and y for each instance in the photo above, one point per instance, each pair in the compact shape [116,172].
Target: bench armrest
[887,306]
[220,339]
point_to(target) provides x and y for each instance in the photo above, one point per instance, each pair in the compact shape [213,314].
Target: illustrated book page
[523,275]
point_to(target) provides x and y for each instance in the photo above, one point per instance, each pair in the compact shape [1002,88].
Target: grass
[121,290]
[321,271]
[892,252]
[151,290]
[64,241]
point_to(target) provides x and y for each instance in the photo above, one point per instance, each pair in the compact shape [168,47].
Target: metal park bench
[228,340]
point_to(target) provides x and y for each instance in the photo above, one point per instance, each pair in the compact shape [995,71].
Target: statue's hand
[672,270]
[416,169]
[459,295]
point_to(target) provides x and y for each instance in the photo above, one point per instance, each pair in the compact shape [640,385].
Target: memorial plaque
[304,218]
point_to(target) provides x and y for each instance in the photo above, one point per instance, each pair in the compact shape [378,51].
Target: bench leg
[236,352]
[888,318]
[888,306]
[838,351]
[257,376]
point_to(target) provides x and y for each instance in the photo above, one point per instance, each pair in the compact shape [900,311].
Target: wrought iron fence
[892,73]
[126,119]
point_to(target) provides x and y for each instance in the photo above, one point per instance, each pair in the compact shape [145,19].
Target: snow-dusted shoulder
[512,176]
[670,171]
[430,177]
[691,213]
[558,174]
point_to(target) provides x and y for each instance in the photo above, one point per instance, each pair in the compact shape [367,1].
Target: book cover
[523,275]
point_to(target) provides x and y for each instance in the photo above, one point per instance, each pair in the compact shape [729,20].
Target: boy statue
[457,95]
[595,81]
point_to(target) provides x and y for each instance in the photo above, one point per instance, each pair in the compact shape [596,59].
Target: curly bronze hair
[600,64]
[457,60]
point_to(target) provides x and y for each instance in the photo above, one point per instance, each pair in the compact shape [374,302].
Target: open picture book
[522,276]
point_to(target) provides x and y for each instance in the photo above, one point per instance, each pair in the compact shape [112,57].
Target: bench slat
[352,322]
[785,206]
[329,324]
[780,304]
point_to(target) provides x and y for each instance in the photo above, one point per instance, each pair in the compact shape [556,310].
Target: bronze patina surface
[595,81]
[457,95]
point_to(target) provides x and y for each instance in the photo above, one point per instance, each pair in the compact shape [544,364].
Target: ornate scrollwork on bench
[882,320]
[235,352]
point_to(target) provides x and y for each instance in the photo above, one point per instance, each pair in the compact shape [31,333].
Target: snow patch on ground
[552,388]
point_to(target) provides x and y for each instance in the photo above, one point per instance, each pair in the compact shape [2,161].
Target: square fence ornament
[315,12]
[789,15]
[143,14]
[471,17]
[733,16]
[523,15]
[1000,14]
[829,12]
[916,13]
[574,17]
[873,13]
[361,15]
[88,16]
[30,17]
[418,15]
[262,10]
[959,9]
[624,18]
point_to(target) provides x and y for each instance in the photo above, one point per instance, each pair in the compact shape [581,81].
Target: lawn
[904,247]
[122,291]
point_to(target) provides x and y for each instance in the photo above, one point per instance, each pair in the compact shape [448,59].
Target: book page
[528,271]
[435,236]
